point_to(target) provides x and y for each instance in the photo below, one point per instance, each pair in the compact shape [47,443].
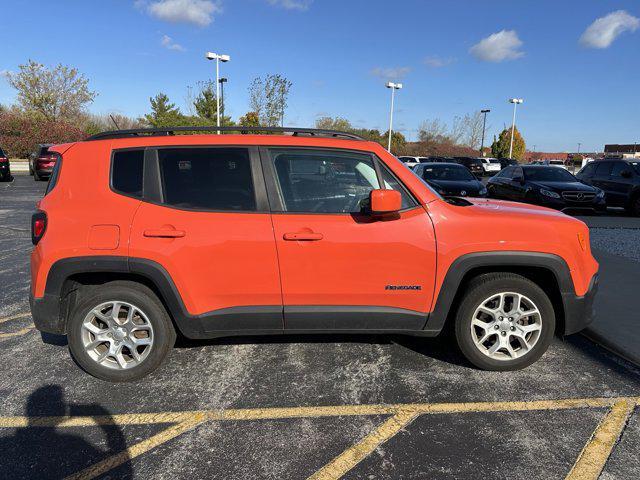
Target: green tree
[163,113]
[54,93]
[338,123]
[500,147]
[268,98]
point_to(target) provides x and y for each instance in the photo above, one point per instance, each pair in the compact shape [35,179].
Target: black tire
[164,335]
[634,205]
[485,286]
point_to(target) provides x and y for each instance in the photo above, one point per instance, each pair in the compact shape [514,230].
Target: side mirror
[625,174]
[384,202]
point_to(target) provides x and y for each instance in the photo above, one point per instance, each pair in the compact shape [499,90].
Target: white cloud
[198,12]
[498,47]
[397,73]
[438,62]
[168,43]
[292,4]
[602,32]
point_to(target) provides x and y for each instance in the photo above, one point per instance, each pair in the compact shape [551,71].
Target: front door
[210,229]
[342,269]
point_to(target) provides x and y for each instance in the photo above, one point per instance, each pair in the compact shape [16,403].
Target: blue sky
[453,57]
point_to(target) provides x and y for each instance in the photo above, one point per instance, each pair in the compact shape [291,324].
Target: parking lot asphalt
[321,407]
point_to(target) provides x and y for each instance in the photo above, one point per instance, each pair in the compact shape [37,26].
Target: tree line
[51,107]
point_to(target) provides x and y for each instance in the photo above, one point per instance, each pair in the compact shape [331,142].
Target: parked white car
[553,163]
[491,165]
[412,161]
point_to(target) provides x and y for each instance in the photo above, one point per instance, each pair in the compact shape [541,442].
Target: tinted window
[548,174]
[603,169]
[43,151]
[517,172]
[635,165]
[588,170]
[126,172]
[506,172]
[207,178]
[447,172]
[2,153]
[618,168]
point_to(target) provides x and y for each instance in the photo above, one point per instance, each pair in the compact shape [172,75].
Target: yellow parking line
[596,452]
[274,413]
[348,459]
[138,449]
[22,331]
[15,317]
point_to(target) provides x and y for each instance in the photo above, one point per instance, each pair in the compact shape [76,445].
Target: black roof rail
[154,132]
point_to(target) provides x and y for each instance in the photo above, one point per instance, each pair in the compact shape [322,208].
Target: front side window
[127,172]
[319,181]
[603,169]
[588,170]
[553,174]
[207,178]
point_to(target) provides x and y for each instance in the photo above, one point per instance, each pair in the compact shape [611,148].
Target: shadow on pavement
[55,452]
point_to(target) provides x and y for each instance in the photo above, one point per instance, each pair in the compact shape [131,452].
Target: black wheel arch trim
[577,311]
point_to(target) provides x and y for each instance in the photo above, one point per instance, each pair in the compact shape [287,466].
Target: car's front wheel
[119,331]
[504,322]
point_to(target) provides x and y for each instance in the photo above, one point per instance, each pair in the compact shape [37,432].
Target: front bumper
[578,311]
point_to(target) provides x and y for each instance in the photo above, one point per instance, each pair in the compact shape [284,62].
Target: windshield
[551,174]
[447,172]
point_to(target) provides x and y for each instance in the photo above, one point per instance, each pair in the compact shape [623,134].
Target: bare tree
[268,98]
[60,92]
[473,130]
[432,131]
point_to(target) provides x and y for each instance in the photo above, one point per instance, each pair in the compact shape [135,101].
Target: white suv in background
[412,161]
[491,165]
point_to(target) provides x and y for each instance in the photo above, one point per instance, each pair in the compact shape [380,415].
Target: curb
[612,347]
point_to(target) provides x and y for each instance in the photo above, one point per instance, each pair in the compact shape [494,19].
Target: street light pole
[484,125]
[393,87]
[222,81]
[515,102]
[218,59]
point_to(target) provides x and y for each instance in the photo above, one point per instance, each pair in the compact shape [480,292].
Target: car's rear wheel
[635,205]
[119,331]
[504,322]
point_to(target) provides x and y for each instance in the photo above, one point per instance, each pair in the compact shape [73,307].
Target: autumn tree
[338,123]
[268,98]
[500,147]
[54,93]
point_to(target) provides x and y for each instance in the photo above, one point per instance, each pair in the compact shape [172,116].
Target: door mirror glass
[384,202]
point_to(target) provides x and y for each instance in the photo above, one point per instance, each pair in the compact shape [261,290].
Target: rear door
[205,220]
[619,187]
[342,269]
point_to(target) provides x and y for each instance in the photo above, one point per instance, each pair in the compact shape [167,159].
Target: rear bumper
[45,312]
[578,311]
[44,172]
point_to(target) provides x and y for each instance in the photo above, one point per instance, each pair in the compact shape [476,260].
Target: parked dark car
[41,162]
[505,162]
[473,164]
[5,167]
[620,180]
[450,180]
[548,186]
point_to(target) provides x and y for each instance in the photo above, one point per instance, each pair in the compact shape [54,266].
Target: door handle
[164,233]
[303,236]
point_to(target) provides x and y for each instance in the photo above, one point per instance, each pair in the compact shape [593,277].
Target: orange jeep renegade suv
[143,233]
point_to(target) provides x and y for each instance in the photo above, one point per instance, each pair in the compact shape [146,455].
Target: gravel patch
[624,242]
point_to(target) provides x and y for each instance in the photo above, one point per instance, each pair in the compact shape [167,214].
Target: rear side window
[216,179]
[127,172]
[618,168]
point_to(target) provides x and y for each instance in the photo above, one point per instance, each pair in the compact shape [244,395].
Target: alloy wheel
[117,335]
[506,326]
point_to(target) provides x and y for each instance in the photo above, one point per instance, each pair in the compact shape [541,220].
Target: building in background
[631,150]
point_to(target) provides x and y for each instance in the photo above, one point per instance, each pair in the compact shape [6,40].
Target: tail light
[47,158]
[4,159]
[38,226]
